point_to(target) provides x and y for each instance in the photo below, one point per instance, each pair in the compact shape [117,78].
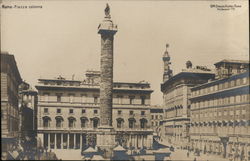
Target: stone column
[141,143]
[41,138]
[61,141]
[106,136]
[55,140]
[74,136]
[80,141]
[67,141]
[48,140]
[137,141]
[107,31]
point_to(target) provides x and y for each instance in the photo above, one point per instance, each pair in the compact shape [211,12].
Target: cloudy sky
[61,38]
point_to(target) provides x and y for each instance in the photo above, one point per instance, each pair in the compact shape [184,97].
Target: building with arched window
[69,114]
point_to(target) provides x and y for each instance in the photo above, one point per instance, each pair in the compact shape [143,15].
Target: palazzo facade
[176,94]
[176,104]
[220,112]
[69,113]
[10,80]
[156,119]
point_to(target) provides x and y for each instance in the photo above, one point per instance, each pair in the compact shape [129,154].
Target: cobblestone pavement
[68,154]
[180,155]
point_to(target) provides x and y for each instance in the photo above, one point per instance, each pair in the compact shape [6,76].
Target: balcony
[135,128]
[45,113]
[73,104]
[67,128]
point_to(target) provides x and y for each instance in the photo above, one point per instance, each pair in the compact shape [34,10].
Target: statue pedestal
[106,141]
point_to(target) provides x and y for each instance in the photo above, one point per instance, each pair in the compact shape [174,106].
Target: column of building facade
[67,141]
[137,141]
[74,143]
[80,141]
[61,140]
[141,140]
[55,141]
[48,140]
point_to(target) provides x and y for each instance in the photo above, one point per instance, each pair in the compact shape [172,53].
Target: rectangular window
[46,110]
[119,112]
[226,84]
[232,83]
[223,86]
[131,99]
[216,87]
[95,111]
[156,116]
[152,117]
[71,111]
[245,80]
[220,86]
[119,99]
[232,99]
[143,100]
[95,99]
[142,113]
[238,82]
[58,97]
[83,111]
[238,99]
[58,111]
[212,88]
[131,112]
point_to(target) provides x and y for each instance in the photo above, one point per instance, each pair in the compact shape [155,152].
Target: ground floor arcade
[56,140]
[234,148]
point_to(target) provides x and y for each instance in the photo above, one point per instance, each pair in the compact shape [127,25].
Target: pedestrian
[188,154]
[194,159]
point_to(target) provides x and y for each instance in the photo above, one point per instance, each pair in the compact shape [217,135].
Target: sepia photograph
[136,80]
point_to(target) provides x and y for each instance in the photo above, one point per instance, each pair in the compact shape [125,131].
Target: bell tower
[167,73]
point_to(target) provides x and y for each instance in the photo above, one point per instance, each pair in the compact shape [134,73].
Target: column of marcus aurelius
[106,134]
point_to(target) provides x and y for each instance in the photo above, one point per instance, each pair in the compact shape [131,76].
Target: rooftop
[10,59]
[233,61]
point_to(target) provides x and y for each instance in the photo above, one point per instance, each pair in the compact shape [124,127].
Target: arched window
[84,121]
[95,121]
[131,122]
[46,121]
[71,122]
[143,123]
[120,122]
[59,121]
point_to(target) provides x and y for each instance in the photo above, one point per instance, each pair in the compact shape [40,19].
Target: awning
[97,157]
[119,148]
[14,154]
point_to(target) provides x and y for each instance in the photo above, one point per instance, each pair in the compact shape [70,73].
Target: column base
[106,141]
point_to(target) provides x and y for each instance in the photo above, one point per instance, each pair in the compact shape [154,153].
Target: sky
[61,37]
